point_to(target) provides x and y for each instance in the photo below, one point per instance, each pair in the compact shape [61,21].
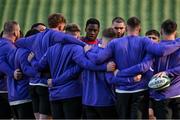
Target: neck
[169,37]
[134,33]
[9,37]
[55,29]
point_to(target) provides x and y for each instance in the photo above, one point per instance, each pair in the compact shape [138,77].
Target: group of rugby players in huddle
[53,72]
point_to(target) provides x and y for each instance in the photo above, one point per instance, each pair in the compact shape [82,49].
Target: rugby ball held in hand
[159,83]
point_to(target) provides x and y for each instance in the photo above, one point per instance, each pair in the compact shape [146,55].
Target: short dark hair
[133,22]
[9,27]
[55,19]
[153,32]
[71,27]
[169,26]
[93,21]
[31,32]
[37,24]
[109,33]
[118,20]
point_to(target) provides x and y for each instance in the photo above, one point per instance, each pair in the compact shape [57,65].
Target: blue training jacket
[97,91]
[40,42]
[171,65]
[18,90]
[6,48]
[60,58]
[131,51]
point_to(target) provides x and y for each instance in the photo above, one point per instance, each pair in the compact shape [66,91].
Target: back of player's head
[118,20]
[93,21]
[9,27]
[72,28]
[133,22]
[153,32]
[109,33]
[36,25]
[55,19]
[31,32]
[168,27]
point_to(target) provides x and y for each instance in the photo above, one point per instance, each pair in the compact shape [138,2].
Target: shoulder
[144,37]
[76,47]
[178,39]
[55,47]
[4,43]
[116,42]
[145,40]
[120,40]
[22,51]
[55,32]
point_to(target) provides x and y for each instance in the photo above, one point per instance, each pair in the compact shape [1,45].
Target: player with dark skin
[92,31]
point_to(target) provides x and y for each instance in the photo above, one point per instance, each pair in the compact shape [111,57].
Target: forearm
[122,80]
[98,58]
[163,49]
[87,64]
[118,80]
[36,65]
[29,71]
[73,40]
[67,76]
[60,37]
[136,69]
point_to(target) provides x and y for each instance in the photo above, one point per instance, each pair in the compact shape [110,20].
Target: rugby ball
[159,83]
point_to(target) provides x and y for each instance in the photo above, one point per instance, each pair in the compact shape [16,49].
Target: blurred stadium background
[151,12]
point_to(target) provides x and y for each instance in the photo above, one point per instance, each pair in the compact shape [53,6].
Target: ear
[161,32]
[59,27]
[15,33]
[139,29]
